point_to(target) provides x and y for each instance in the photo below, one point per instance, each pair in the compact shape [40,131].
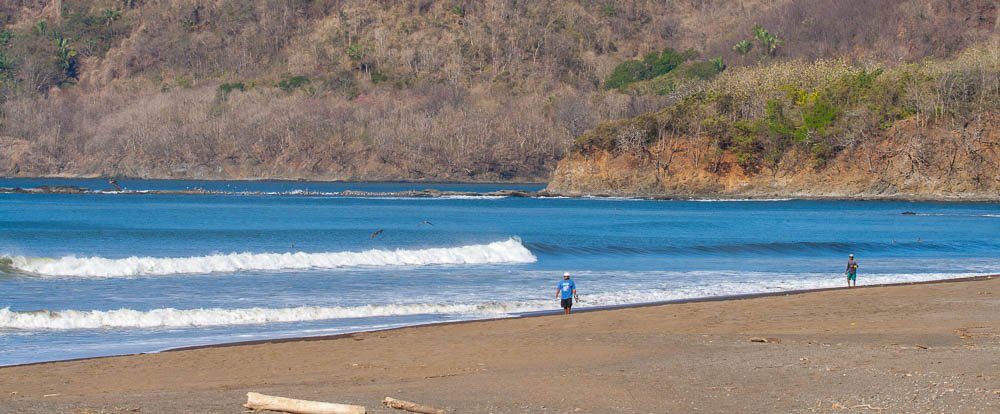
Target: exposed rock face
[910,161]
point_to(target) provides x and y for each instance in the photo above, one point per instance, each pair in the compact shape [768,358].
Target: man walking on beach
[852,270]
[566,292]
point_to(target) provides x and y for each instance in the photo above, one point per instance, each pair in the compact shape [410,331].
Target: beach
[906,348]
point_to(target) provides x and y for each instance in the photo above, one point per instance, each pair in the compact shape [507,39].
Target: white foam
[740,200]
[188,318]
[764,283]
[472,197]
[956,215]
[181,318]
[509,251]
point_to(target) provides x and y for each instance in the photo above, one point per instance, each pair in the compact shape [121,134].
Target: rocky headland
[908,162]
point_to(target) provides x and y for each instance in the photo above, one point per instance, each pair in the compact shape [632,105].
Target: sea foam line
[509,251]
[194,318]
[181,318]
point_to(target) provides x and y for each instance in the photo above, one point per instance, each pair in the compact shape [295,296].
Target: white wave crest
[181,318]
[509,251]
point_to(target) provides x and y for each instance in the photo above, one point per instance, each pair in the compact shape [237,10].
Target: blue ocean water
[84,275]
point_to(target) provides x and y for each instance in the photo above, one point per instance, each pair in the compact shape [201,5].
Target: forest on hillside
[425,90]
[766,118]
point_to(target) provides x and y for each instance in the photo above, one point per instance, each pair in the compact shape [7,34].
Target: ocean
[108,273]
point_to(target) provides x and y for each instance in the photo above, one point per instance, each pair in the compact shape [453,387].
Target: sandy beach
[910,348]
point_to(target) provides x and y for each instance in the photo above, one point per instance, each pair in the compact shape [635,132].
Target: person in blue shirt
[566,292]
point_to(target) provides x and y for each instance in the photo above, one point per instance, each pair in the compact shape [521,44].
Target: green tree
[356,52]
[67,57]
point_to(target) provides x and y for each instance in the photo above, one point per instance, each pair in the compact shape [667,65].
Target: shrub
[292,83]
[747,149]
[6,68]
[703,70]
[625,73]
[225,88]
[652,65]
[378,77]
[610,10]
[356,52]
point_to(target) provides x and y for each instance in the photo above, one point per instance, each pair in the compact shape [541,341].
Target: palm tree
[742,47]
[110,15]
[718,64]
[768,42]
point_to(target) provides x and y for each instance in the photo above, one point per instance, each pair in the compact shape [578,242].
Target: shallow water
[118,273]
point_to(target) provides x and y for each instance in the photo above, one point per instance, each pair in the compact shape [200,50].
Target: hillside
[336,90]
[822,129]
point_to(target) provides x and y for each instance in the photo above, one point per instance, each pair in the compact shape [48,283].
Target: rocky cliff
[910,161]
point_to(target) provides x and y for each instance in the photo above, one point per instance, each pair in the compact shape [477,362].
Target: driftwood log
[411,407]
[257,401]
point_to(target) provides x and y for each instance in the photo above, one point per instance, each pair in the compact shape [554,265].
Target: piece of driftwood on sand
[256,401]
[411,406]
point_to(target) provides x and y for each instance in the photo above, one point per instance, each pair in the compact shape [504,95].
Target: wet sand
[913,348]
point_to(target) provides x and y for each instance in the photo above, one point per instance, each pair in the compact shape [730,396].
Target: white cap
[566,274]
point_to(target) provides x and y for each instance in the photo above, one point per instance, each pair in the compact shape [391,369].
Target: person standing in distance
[852,270]
[566,292]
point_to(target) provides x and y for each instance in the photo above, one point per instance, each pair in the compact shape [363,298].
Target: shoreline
[544,193]
[556,312]
[919,347]
[527,315]
[278,180]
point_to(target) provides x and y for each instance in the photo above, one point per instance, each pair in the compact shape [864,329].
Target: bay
[86,275]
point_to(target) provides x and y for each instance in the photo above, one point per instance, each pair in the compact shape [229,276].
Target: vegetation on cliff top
[760,114]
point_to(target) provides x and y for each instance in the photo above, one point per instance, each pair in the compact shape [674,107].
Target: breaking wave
[199,318]
[181,318]
[509,251]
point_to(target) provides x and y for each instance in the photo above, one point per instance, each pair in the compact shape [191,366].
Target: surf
[195,318]
[510,251]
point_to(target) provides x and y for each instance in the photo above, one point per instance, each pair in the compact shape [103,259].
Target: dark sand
[915,348]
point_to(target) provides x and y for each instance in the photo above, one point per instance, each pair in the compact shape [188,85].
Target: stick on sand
[257,401]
